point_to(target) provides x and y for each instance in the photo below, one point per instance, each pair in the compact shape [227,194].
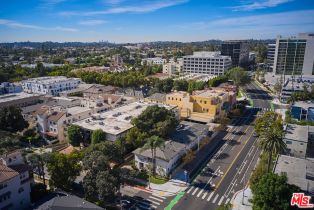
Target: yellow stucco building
[204,105]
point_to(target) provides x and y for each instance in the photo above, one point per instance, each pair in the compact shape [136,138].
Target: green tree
[278,88]
[100,182]
[239,76]
[38,161]
[216,81]
[12,120]
[135,137]
[63,169]
[156,120]
[107,184]
[75,135]
[265,121]
[180,85]
[271,141]
[97,136]
[152,144]
[272,192]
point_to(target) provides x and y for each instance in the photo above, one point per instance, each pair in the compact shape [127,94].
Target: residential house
[15,182]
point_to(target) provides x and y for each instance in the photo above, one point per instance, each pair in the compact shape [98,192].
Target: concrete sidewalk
[170,188]
[240,203]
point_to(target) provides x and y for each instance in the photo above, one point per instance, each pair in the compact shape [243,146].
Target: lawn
[158,180]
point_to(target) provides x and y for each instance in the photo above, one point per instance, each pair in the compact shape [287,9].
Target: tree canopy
[156,120]
[75,135]
[63,169]
[11,119]
[98,136]
[239,76]
[272,192]
[100,182]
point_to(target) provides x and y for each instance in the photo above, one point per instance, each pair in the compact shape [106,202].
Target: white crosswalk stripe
[191,188]
[227,201]
[157,199]
[158,196]
[198,195]
[195,191]
[204,195]
[152,201]
[216,197]
[220,201]
[210,196]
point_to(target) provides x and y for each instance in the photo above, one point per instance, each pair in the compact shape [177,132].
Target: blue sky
[152,20]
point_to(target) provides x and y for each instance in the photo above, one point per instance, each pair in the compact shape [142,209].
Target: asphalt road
[261,99]
[227,172]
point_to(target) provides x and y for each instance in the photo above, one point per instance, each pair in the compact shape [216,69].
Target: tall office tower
[237,50]
[271,50]
[211,63]
[295,55]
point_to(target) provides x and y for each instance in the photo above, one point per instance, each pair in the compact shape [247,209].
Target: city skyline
[123,21]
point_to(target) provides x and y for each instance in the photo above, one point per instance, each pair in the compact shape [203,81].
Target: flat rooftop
[209,93]
[77,109]
[304,104]
[49,80]
[299,171]
[297,132]
[118,120]
[16,96]
[206,54]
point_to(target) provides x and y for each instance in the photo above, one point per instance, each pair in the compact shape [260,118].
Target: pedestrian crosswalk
[152,202]
[209,196]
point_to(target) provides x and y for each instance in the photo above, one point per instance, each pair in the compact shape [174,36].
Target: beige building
[204,105]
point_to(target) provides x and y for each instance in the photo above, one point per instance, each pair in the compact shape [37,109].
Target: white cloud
[295,18]
[144,8]
[50,3]
[92,22]
[14,24]
[260,5]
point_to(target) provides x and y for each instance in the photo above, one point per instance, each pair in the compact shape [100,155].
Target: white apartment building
[211,63]
[153,61]
[173,67]
[15,182]
[294,55]
[50,85]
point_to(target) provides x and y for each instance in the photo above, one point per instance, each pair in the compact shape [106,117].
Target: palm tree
[153,143]
[271,141]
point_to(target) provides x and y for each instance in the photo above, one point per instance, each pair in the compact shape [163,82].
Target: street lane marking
[191,188]
[158,196]
[195,191]
[216,197]
[198,195]
[227,201]
[239,170]
[157,199]
[204,195]
[210,196]
[154,202]
[234,160]
[220,201]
